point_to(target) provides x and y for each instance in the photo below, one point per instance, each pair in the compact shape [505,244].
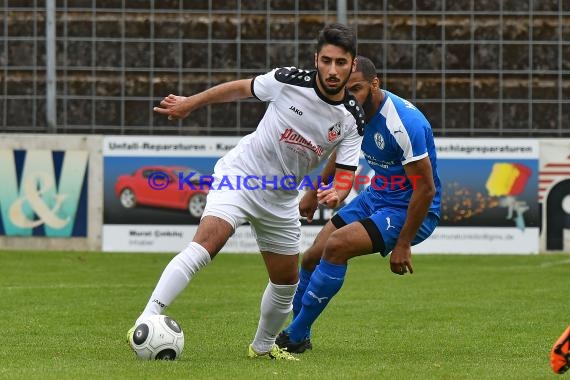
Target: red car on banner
[158,186]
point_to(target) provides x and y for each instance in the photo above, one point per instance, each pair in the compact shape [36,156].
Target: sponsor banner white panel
[174,238]
[486,148]
[143,146]
[481,240]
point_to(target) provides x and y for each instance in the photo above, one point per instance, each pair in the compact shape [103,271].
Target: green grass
[65,316]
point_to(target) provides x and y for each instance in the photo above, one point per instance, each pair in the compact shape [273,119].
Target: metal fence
[476,68]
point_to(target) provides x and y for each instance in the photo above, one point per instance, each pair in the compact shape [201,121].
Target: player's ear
[316,60]
[375,83]
[354,65]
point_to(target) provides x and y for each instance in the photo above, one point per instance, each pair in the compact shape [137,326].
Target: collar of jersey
[323,97]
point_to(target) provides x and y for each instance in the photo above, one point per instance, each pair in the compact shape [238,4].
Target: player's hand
[308,205]
[328,196]
[174,106]
[401,259]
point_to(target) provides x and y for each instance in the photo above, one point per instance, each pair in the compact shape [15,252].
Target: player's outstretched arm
[179,107]
[420,175]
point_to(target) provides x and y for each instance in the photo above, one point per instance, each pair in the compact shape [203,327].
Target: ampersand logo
[43,193]
[33,188]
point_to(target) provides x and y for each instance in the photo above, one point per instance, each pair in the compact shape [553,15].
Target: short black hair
[366,67]
[338,35]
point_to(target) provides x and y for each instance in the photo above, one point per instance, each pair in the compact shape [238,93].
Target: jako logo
[297,111]
[42,188]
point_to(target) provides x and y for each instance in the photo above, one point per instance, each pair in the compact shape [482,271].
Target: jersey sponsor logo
[379,140]
[296,110]
[292,137]
[334,132]
[374,161]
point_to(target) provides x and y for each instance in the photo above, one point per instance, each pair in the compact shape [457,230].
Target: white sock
[175,277]
[276,304]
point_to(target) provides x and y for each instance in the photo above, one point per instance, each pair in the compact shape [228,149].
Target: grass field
[65,315]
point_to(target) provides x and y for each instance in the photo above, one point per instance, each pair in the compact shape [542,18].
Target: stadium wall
[64,192]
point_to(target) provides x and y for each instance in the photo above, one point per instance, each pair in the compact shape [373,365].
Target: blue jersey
[396,135]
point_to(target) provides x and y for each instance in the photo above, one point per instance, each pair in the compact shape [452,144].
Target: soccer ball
[158,337]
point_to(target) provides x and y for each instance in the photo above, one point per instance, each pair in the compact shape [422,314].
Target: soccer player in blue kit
[389,216]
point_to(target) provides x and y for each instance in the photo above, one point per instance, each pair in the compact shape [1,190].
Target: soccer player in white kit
[310,114]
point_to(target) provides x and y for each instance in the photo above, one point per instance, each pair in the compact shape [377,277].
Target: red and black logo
[334,132]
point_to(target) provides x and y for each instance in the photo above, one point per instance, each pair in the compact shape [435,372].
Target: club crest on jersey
[334,132]
[292,137]
[379,140]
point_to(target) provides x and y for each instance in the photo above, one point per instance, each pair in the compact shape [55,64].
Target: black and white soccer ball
[158,337]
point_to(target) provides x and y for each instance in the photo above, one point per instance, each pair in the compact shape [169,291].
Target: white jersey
[300,128]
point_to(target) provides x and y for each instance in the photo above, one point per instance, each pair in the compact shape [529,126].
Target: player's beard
[368,105]
[330,90]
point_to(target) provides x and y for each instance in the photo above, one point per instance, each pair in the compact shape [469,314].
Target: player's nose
[333,70]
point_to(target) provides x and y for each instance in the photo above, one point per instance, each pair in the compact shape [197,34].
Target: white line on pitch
[555,263]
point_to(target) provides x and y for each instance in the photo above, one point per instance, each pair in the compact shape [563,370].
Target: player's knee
[336,249]
[213,233]
[282,271]
[313,255]
[285,277]
[311,258]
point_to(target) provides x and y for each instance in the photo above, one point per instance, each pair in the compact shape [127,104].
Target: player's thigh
[347,242]
[225,210]
[388,223]
[313,254]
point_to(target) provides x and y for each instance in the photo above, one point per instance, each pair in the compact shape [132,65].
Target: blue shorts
[382,223]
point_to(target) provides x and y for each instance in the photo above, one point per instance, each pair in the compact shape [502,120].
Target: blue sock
[304,278]
[325,282]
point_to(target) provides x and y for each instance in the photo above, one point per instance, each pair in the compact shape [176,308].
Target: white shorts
[273,215]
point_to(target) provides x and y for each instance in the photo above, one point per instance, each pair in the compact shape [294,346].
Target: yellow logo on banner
[502,179]
[507,180]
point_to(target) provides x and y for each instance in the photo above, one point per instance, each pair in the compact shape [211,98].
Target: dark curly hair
[366,67]
[338,35]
